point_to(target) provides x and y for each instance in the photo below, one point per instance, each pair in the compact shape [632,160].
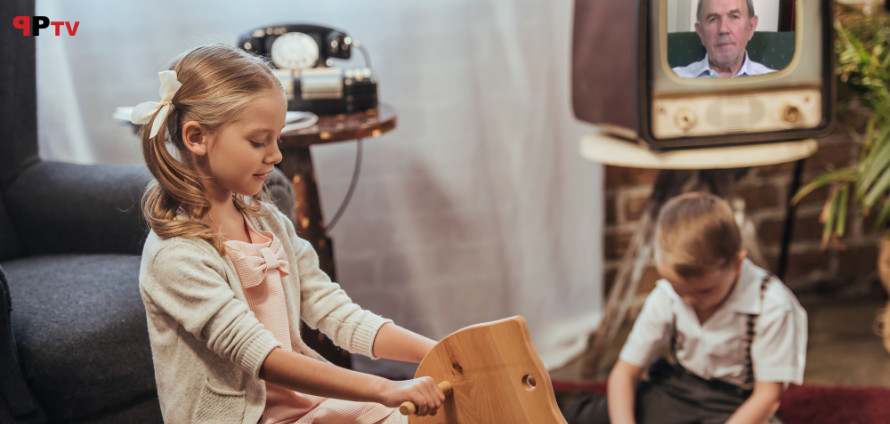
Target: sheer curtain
[477,207]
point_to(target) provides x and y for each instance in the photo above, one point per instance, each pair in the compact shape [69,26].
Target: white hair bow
[143,112]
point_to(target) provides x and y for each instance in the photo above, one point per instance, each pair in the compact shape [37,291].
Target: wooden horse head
[495,375]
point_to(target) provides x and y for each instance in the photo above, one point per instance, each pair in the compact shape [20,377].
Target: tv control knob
[685,119]
[790,113]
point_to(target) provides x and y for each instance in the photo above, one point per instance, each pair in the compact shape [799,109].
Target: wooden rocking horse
[491,374]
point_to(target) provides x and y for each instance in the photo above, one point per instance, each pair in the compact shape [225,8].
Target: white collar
[703,68]
[746,297]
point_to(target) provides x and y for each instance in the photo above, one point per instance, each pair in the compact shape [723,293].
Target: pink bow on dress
[271,263]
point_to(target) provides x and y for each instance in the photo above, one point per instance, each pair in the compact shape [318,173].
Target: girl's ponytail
[211,85]
[176,190]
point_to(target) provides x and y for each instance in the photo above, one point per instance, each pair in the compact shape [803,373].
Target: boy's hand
[423,392]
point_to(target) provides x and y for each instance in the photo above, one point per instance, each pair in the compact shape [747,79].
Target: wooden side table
[713,168]
[296,163]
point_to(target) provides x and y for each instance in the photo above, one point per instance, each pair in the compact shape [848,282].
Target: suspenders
[749,335]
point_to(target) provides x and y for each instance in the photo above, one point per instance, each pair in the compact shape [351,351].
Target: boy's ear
[740,258]
[194,137]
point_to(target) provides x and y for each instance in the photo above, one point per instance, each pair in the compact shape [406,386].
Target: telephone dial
[302,56]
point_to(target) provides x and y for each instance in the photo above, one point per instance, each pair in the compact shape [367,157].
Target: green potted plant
[863,75]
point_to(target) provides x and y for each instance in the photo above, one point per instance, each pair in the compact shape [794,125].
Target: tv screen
[704,72]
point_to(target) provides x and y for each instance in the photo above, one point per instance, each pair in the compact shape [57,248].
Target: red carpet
[807,404]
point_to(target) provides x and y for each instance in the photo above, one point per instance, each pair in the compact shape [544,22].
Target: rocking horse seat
[495,376]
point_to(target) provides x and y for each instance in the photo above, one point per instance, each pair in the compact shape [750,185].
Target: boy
[737,334]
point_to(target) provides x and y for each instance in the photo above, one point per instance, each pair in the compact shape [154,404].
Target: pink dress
[260,266]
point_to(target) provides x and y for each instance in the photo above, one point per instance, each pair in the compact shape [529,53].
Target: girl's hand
[423,392]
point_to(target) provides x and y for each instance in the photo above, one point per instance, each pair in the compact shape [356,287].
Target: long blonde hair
[218,81]
[696,233]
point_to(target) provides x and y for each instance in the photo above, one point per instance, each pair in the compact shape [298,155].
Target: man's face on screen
[725,28]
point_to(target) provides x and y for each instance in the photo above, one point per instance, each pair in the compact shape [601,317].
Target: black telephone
[301,55]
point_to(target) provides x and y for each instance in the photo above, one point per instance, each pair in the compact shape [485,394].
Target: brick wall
[811,271]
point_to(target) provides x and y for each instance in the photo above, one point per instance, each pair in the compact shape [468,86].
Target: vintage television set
[624,55]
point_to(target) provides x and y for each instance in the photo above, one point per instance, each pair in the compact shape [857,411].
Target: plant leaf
[883,218]
[841,223]
[830,219]
[878,190]
[872,168]
[840,175]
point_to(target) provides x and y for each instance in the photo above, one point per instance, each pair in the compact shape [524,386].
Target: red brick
[616,244]
[832,156]
[855,117]
[611,212]
[806,228]
[760,197]
[859,259]
[841,154]
[775,170]
[634,207]
[869,228]
[869,222]
[619,176]
[803,264]
[644,287]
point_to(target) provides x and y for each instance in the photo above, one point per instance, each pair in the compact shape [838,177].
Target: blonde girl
[225,279]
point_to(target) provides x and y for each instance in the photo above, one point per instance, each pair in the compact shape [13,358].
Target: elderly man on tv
[724,27]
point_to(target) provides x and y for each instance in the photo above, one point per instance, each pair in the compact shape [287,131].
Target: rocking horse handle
[408,407]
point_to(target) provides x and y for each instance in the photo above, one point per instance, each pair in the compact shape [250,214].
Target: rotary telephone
[302,58]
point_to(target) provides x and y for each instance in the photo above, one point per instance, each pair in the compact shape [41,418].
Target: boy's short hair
[697,233]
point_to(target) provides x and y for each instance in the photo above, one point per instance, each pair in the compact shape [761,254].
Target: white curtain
[477,207]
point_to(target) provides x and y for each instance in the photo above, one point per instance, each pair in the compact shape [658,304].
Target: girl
[225,279]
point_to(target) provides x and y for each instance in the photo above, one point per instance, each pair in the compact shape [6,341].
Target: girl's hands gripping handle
[422,392]
[408,407]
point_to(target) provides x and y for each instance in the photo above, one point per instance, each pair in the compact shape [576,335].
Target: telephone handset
[298,46]
[301,57]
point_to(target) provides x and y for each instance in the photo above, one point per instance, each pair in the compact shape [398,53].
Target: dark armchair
[73,336]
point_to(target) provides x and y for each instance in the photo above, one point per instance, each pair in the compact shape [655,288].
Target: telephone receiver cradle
[494,376]
[300,55]
[332,43]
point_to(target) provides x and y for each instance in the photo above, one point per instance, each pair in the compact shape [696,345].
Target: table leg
[790,214]
[296,163]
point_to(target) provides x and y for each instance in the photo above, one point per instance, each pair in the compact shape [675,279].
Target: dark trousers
[671,396]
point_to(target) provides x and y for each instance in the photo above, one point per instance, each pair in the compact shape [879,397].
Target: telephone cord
[352,184]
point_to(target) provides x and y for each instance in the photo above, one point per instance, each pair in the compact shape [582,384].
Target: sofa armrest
[61,207]
[16,402]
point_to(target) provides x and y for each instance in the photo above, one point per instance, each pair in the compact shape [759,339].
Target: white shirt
[702,69]
[717,349]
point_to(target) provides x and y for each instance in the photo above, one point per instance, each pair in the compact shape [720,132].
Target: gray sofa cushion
[84,346]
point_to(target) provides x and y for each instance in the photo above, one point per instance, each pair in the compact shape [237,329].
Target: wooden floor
[842,350]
